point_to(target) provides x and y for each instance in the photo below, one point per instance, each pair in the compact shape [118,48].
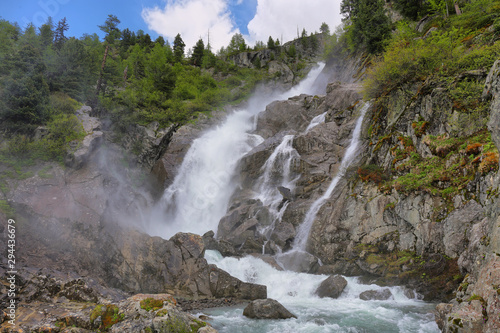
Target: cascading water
[316,121]
[198,198]
[351,152]
[267,190]
[200,193]
[295,291]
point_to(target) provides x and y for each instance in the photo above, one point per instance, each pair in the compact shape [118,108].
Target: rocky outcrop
[149,142]
[79,153]
[332,287]
[267,309]
[476,306]
[138,313]
[169,159]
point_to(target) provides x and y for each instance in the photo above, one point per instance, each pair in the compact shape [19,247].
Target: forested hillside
[127,77]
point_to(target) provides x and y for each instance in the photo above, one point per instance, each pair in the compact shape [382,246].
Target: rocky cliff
[418,207]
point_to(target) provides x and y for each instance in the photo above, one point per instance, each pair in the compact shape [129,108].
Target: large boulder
[378,295]
[331,287]
[267,309]
[299,261]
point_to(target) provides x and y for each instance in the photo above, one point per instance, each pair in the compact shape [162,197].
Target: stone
[286,193]
[224,285]
[378,295]
[332,287]
[292,114]
[267,309]
[148,143]
[299,261]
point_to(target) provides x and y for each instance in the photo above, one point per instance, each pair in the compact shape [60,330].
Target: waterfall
[316,121]
[199,195]
[279,162]
[351,152]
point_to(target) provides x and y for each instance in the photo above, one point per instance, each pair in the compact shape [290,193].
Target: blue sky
[193,19]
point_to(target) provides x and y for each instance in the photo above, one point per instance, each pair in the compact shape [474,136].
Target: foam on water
[295,291]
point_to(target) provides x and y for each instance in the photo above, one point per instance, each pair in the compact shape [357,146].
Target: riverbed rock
[267,309]
[299,261]
[378,295]
[332,287]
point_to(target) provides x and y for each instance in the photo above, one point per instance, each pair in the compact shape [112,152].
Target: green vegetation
[456,162]
[109,314]
[149,304]
[127,77]
[450,55]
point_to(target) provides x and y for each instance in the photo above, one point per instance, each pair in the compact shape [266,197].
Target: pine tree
[47,33]
[59,37]
[270,43]
[110,27]
[197,55]
[325,29]
[178,48]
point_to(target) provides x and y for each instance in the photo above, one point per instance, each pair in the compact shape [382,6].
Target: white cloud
[278,18]
[192,19]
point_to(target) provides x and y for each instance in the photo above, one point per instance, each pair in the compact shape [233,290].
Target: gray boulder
[267,309]
[378,295]
[301,262]
[332,287]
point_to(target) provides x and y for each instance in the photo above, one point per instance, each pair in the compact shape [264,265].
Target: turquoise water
[295,291]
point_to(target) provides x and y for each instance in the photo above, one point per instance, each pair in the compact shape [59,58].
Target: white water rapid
[295,291]
[199,195]
[351,152]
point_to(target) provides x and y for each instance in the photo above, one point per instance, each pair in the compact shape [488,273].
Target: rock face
[317,158]
[80,154]
[332,287]
[149,143]
[267,309]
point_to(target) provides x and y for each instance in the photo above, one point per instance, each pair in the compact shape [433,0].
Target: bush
[62,103]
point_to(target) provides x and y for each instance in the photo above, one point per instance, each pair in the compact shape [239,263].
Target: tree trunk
[99,82]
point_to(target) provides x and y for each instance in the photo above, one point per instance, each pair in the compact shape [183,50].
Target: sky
[218,20]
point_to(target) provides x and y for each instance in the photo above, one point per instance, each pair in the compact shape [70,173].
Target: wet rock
[267,309]
[298,261]
[224,285]
[241,222]
[286,193]
[292,114]
[331,287]
[379,295]
[283,235]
